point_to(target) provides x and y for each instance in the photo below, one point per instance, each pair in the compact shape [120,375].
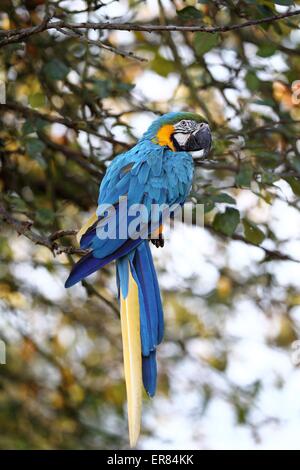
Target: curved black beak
[200,140]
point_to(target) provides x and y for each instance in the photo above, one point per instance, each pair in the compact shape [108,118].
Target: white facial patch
[181,138]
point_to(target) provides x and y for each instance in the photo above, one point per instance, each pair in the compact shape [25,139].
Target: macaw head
[181,132]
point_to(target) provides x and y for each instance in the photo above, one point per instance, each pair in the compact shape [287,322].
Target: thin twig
[61,233]
[94,42]
[270,254]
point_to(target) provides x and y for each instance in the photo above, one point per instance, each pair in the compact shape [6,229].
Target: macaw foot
[159,241]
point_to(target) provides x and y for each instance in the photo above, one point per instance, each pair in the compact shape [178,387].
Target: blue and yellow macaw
[157,170]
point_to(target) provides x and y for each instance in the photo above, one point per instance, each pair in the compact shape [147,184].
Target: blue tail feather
[89,264]
[149,373]
[84,267]
[160,313]
[138,254]
[144,275]
[151,314]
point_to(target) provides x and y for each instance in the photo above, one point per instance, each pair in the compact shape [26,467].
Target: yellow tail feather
[132,351]
[86,226]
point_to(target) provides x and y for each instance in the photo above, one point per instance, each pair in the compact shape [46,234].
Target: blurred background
[228,373]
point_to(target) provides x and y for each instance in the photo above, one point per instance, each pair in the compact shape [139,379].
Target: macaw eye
[183,126]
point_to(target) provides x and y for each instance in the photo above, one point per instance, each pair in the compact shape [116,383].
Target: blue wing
[147,174]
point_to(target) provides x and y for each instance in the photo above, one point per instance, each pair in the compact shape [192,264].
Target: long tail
[142,328]
[132,351]
[141,313]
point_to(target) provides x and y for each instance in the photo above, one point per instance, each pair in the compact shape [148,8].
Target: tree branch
[51,118]
[270,254]
[19,35]
[72,154]
[25,228]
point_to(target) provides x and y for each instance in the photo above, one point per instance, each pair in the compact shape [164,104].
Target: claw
[158,242]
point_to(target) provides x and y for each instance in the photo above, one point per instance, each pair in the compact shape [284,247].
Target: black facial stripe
[175,143]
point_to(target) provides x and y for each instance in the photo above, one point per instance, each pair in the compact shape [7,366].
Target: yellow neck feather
[164,136]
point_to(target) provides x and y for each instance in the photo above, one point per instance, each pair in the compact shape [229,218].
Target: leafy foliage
[73,102]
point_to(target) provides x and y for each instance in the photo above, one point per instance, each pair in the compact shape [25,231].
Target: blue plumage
[149,173]
[89,264]
[151,313]
[149,373]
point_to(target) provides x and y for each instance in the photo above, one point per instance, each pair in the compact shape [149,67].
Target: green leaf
[31,126]
[210,200]
[40,123]
[28,127]
[244,176]
[34,146]
[294,184]
[252,233]
[296,163]
[227,222]
[189,13]
[242,412]
[266,102]
[37,100]
[45,216]
[284,2]
[221,145]
[162,66]
[269,178]
[103,88]
[16,202]
[266,50]
[252,81]
[204,42]
[56,70]
[265,11]
[124,87]
[208,205]
[268,159]
[224,198]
